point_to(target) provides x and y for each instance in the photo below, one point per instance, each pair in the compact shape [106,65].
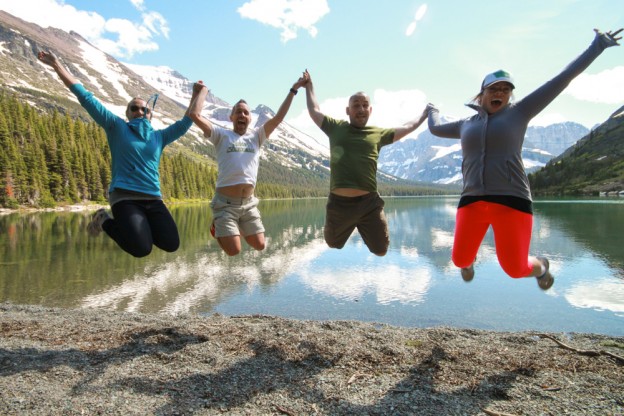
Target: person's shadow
[267,370]
[149,342]
[417,394]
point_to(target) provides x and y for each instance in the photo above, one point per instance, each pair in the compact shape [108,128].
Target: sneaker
[94,228]
[467,273]
[212,229]
[546,280]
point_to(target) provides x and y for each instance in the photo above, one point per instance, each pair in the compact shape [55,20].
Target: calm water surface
[48,259]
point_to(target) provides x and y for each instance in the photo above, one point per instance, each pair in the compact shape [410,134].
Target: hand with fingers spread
[611,37]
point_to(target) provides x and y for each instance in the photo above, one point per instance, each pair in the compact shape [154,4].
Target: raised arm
[437,128]
[410,126]
[50,59]
[272,123]
[313,107]
[200,91]
[536,101]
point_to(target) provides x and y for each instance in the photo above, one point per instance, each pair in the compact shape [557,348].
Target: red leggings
[512,236]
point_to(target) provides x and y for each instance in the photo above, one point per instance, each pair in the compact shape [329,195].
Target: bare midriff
[349,192]
[241,190]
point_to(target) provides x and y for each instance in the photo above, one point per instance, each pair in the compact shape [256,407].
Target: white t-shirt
[238,157]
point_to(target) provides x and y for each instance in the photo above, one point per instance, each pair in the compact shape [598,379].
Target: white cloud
[390,109]
[420,13]
[546,119]
[604,87]
[138,4]
[395,108]
[118,37]
[287,15]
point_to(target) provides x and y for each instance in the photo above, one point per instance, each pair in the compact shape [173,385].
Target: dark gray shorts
[365,213]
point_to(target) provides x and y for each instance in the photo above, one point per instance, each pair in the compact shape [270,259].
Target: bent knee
[142,252]
[336,246]
[232,252]
[171,248]
[516,273]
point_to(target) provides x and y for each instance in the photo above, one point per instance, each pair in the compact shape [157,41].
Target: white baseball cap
[497,76]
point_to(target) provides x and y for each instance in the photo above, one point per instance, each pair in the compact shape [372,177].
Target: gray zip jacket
[492,144]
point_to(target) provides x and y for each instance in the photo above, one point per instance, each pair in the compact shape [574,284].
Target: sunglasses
[134,108]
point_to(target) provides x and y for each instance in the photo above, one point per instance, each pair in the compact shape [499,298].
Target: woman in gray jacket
[496,188]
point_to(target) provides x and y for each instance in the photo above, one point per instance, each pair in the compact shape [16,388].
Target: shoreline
[98,361]
[62,208]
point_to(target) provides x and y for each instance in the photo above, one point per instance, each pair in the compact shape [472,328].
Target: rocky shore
[70,362]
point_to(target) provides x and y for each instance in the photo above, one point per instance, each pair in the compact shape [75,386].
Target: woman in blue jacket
[495,186]
[140,218]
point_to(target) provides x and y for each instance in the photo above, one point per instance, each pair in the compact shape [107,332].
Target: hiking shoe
[94,228]
[467,273]
[546,280]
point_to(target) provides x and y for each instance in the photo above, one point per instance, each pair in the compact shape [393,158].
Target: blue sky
[403,53]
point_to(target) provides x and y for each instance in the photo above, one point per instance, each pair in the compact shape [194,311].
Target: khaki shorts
[236,216]
[365,213]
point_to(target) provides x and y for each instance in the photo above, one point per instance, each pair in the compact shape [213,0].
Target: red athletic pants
[512,236]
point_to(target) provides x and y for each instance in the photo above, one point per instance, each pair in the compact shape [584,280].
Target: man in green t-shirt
[354,148]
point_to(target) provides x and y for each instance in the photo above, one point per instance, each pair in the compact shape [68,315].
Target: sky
[402,53]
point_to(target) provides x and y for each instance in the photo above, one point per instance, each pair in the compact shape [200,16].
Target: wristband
[294,91]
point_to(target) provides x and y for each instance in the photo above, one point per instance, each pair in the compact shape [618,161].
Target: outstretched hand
[613,36]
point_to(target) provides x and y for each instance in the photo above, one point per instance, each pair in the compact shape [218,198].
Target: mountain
[291,159]
[594,165]
[288,146]
[115,83]
[432,159]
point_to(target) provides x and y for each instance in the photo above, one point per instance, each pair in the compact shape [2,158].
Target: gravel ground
[70,362]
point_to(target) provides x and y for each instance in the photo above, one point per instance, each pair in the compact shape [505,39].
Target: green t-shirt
[353,153]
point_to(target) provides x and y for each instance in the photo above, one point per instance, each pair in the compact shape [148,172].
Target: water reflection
[603,294]
[388,283]
[48,259]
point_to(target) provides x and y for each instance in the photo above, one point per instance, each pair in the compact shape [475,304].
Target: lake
[47,258]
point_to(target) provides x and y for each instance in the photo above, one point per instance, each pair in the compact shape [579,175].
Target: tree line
[51,158]
[48,159]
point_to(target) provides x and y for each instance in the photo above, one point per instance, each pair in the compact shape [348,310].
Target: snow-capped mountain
[437,160]
[285,141]
[427,158]
[115,83]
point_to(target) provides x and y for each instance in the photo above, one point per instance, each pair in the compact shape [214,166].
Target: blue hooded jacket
[135,146]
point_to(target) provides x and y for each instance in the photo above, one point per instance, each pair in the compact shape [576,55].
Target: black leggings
[137,224]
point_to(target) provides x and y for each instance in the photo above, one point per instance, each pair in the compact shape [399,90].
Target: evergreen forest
[54,158]
[51,159]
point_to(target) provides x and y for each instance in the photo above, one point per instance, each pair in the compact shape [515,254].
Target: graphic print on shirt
[246,146]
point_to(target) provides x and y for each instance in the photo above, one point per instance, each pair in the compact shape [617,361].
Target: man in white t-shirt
[234,206]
